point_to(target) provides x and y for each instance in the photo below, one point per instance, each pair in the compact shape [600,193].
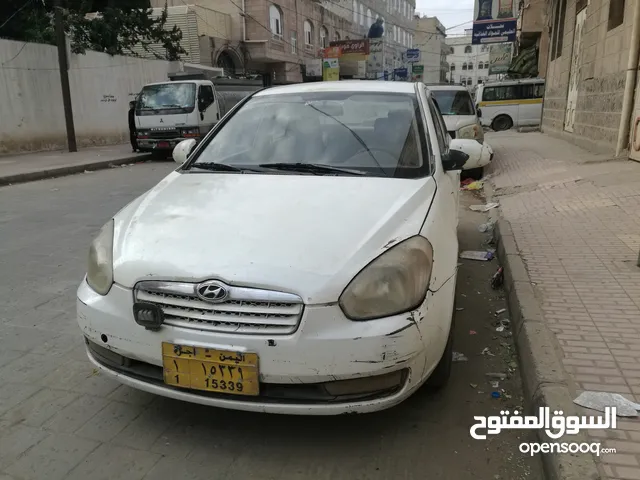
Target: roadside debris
[473,385]
[495,384]
[459,309]
[599,400]
[487,352]
[498,279]
[476,255]
[477,185]
[499,376]
[495,394]
[472,332]
[459,357]
[485,227]
[501,311]
[484,208]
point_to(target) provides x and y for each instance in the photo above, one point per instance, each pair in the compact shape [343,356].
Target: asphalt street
[61,419]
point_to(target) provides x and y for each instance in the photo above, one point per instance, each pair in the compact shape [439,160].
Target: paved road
[61,419]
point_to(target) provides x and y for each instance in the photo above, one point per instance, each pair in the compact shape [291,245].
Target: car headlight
[395,282]
[472,132]
[100,268]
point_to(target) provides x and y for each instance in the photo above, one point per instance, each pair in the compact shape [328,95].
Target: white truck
[187,106]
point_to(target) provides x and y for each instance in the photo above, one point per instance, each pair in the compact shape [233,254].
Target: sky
[449,12]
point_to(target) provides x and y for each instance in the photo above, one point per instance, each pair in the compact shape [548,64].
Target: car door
[209,114]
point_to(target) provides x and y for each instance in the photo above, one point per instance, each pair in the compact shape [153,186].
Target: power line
[16,13]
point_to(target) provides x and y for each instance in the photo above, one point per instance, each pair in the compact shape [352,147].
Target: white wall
[31,110]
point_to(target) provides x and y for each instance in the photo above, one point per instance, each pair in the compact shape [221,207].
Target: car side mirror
[182,150]
[454,160]
[477,154]
[479,112]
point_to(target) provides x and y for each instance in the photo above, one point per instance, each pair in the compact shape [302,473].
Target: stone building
[430,35]
[468,64]
[592,94]
[258,36]
[532,32]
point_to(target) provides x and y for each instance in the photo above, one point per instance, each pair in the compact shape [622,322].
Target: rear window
[378,133]
[454,102]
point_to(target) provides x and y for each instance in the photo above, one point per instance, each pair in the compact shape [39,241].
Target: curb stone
[546,383]
[65,170]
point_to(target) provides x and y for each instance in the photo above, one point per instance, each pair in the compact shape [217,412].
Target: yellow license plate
[210,370]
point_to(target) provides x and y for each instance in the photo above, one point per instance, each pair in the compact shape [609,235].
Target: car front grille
[163,134]
[247,311]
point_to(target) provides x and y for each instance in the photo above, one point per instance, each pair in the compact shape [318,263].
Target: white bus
[510,103]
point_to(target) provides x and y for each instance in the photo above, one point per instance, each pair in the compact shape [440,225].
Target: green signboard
[417,69]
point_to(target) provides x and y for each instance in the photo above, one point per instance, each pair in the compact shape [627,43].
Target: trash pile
[470,184]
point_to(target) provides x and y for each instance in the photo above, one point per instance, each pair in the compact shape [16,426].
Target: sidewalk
[570,246]
[28,167]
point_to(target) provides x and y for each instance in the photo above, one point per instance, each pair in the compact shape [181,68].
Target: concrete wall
[429,38]
[603,62]
[31,110]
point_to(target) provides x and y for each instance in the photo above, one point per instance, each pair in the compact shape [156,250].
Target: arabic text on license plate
[210,370]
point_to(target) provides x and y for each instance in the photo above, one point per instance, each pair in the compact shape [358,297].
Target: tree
[120,26]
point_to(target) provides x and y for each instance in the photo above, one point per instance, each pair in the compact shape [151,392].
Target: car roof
[447,87]
[365,86]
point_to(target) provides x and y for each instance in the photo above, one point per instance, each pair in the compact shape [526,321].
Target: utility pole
[63,63]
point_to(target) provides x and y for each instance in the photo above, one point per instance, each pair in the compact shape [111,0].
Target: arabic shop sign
[494,21]
[499,58]
[348,47]
[417,69]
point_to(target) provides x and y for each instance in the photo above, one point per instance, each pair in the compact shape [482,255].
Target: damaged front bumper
[329,365]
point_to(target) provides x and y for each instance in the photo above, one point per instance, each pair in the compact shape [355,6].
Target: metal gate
[574,76]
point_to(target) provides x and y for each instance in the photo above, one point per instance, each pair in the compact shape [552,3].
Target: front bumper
[160,144]
[326,347]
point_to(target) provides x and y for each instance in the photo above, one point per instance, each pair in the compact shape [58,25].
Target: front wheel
[502,122]
[440,376]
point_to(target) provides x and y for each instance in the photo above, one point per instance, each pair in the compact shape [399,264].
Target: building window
[294,42]
[361,14]
[453,67]
[469,81]
[275,21]
[337,36]
[558,29]
[464,66]
[324,33]
[308,33]
[463,81]
[410,41]
[355,11]
[616,14]
[369,19]
[467,49]
[484,48]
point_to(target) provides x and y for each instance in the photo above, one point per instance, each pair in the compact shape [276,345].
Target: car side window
[206,96]
[441,129]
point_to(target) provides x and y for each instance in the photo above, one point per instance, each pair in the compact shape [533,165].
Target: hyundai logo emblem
[212,291]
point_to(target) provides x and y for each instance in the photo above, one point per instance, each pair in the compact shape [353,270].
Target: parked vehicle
[298,261]
[510,103]
[188,106]
[460,117]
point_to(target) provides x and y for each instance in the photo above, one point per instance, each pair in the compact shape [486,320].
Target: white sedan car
[301,260]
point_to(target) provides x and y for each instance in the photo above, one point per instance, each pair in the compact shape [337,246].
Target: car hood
[303,234]
[456,122]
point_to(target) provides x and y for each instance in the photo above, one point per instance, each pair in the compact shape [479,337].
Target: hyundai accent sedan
[301,259]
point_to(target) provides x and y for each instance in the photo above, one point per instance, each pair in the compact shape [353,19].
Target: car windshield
[454,102]
[370,133]
[167,95]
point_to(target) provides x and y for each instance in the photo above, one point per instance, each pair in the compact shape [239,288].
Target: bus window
[507,92]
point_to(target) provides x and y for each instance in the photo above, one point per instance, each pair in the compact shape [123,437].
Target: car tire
[474,173]
[440,376]
[502,122]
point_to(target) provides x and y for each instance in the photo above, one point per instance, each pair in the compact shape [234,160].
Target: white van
[458,111]
[510,103]
[169,112]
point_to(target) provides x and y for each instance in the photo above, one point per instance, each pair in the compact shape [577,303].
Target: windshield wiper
[219,167]
[314,168]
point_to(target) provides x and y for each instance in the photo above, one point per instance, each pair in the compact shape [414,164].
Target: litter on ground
[477,185]
[483,208]
[599,400]
[476,255]
[459,357]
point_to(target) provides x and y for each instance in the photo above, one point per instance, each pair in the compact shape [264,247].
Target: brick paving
[576,221]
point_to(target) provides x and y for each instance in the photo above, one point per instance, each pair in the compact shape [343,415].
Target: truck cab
[169,112]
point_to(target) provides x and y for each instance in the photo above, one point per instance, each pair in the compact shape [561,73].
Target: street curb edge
[67,170]
[546,383]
